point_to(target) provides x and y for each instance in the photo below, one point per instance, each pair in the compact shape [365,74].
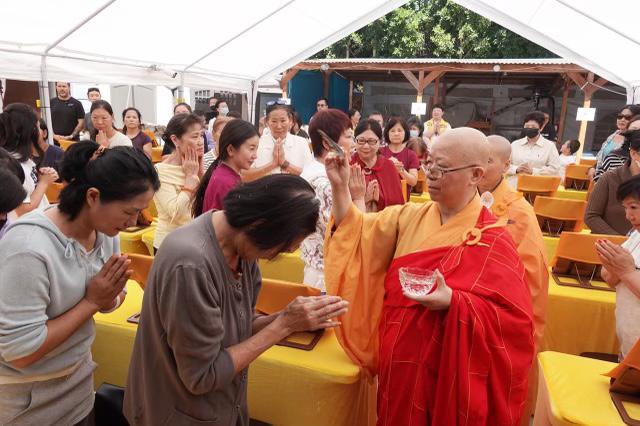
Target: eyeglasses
[626,117]
[371,142]
[437,172]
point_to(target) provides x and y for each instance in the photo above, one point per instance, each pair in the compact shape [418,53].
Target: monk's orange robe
[464,365]
[525,231]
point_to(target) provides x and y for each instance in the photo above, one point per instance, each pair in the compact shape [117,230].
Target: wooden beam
[429,78]
[412,79]
[582,133]
[563,111]
[447,67]
[325,83]
[286,78]
[436,91]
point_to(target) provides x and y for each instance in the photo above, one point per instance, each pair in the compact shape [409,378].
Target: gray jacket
[193,309]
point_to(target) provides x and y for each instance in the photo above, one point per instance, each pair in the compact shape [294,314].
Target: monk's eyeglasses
[437,172]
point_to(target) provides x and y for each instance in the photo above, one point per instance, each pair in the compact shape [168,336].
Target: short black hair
[12,194]
[536,116]
[369,124]
[179,125]
[92,89]
[375,112]
[19,130]
[333,122]
[629,188]
[437,106]
[119,173]
[352,112]
[185,104]
[276,106]
[635,109]
[574,145]
[392,122]
[414,121]
[273,211]
[234,114]
[323,99]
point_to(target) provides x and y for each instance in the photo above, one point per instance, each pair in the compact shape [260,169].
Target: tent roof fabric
[541,61]
[227,45]
[599,36]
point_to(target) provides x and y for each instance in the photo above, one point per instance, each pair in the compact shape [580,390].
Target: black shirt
[65,115]
[549,132]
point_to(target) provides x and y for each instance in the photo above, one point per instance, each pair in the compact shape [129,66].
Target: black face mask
[530,132]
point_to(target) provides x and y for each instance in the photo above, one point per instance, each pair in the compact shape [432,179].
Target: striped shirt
[610,162]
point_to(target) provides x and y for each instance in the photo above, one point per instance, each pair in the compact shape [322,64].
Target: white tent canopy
[603,37]
[228,45]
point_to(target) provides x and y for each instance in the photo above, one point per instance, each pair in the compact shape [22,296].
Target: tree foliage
[433,29]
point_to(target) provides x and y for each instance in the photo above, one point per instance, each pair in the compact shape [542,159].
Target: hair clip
[98,153]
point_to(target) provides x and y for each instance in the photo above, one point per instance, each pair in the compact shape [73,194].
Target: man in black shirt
[67,113]
[548,130]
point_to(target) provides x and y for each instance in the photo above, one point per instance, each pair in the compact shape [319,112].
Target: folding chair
[156,154]
[65,144]
[558,214]
[577,177]
[576,263]
[591,162]
[141,265]
[532,186]
[53,192]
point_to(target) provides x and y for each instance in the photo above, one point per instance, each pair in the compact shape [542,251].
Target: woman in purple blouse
[238,149]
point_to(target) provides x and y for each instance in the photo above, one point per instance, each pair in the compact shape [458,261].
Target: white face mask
[413,133]
[224,111]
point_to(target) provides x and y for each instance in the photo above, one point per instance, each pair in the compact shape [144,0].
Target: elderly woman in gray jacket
[198,329]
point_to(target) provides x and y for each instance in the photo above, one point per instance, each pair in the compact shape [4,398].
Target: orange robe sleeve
[357,255]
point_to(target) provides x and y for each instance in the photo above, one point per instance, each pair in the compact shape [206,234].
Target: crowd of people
[228,193]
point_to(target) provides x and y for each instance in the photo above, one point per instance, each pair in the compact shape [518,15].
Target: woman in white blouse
[279,151]
[104,132]
[621,268]
[533,154]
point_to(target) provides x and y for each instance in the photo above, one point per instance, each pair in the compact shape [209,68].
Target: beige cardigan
[173,204]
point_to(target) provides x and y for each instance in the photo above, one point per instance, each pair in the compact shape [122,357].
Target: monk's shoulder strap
[472,236]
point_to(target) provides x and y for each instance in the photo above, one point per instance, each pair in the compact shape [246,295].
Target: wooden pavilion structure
[558,75]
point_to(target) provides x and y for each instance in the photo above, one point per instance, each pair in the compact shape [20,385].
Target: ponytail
[197,205]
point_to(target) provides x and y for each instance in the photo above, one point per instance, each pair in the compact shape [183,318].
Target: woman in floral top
[337,126]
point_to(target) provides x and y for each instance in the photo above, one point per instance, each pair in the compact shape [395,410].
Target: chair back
[141,265]
[421,185]
[275,295]
[405,190]
[559,214]
[65,144]
[591,162]
[532,186]
[53,192]
[156,154]
[152,136]
[577,177]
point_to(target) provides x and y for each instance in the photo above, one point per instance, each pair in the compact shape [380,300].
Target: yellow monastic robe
[525,231]
[361,249]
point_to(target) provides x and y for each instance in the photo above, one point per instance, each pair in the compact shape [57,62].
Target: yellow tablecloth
[131,242]
[580,320]
[573,391]
[420,198]
[286,386]
[571,194]
[286,267]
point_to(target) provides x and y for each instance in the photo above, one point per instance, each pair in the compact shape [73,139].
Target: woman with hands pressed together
[397,134]
[59,267]
[279,151]
[620,268]
[199,330]
[104,132]
[383,186]
[179,174]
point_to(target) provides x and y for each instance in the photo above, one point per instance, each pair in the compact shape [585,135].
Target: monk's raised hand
[338,170]
[439,299]
[357,184]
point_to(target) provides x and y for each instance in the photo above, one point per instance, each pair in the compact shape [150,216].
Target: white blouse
[628,304]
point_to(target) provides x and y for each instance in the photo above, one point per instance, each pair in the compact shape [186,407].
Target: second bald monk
[462,354]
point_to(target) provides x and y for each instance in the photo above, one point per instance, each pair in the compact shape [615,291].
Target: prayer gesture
[616,259]
[398,164]
[439,299]
[47,175]
[525,169]
[102,139]
[357,184]
[107,284]
[313,313]
[278,152]
[373,192]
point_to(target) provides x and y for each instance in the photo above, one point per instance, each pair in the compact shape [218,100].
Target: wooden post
[588,87]
[284,81]
[421,82]
[436,92]
[325,83]
[563,112]
[350,94]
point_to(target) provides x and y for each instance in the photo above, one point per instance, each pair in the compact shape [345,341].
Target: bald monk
[461,354]
[505,202]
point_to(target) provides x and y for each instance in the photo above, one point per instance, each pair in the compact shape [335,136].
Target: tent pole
[181,89]
[46,101]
